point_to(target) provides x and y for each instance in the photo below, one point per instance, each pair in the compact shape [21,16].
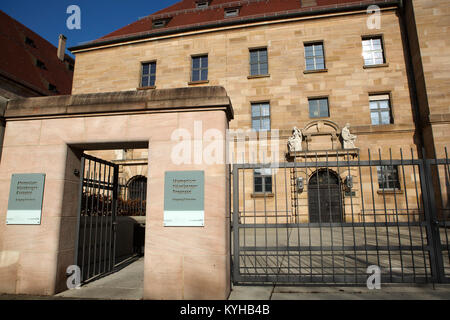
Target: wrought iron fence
[330,216]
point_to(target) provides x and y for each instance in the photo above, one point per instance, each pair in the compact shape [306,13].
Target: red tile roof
[185,14]
[18,59]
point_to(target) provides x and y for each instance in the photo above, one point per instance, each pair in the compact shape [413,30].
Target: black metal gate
[392,213]
[97,217]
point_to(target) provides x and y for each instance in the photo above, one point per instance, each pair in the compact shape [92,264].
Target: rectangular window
[380,109]
[199,68]
[259,62]
[318,108]
[388,177]
[148,74]
[261,116]
[262,180]
[373,52]
[314,56]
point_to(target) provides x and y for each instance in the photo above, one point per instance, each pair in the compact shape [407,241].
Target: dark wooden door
[324,198]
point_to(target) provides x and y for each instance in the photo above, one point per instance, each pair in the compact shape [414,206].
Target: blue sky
[98,17]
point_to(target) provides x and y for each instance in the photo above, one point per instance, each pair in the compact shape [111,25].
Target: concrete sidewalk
[127,284]
[387,292]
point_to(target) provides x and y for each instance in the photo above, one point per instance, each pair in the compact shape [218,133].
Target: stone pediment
[321,136]
[321,127]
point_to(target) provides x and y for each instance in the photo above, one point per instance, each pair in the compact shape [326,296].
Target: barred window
[199,68]
[259,62]
[262,180]
[388,177]
[148,74]
[373,52]
[261,116]
[314,56]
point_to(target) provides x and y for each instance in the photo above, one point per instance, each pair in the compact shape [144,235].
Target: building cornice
[121,102]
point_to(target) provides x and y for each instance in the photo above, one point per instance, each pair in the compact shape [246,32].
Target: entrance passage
[97,217]
[111,215]
[324,197]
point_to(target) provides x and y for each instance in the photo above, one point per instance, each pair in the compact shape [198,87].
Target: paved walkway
[125,284]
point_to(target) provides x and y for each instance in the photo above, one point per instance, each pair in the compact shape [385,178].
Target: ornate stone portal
[321,136]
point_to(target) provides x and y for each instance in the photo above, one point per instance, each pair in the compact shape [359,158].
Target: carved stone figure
[295,141]
[348,138]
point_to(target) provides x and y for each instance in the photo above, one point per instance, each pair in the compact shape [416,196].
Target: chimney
[61,47]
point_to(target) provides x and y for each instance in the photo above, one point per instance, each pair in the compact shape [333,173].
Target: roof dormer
[202,4]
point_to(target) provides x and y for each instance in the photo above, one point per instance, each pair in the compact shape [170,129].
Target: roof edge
[225,23]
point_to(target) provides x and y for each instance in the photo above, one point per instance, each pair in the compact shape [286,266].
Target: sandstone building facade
[315,65]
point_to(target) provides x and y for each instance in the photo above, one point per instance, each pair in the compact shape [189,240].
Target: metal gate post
[114,210]
[236,264]
[432,225]
[80,200]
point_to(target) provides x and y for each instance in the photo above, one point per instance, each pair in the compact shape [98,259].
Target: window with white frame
[314,56]
[148,74]
[199,68]
[259,62]
[380,109]
[318,108]
[373,51]
[261,116]
[388,177]
[262,180]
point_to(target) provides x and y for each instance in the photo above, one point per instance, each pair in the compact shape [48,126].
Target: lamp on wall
[299,184]
[349,182]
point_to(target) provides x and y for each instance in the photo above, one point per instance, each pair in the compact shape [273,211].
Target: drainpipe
[3,103]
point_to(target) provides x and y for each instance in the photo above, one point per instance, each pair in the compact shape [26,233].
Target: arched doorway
[324,197]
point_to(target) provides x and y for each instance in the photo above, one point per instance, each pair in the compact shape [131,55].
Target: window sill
[315,71]
[259,76]
[389,191]
[146,88]
[383,65]
[198,82]
[262,195]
